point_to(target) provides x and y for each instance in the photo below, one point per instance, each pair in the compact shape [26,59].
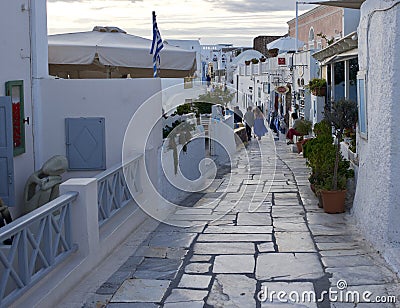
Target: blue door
[6,152]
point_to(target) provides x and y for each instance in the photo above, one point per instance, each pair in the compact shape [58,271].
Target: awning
[107,51]
[347,55]
[349,42]
[351,4]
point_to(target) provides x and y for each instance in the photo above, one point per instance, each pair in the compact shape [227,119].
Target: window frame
[9,86]
[362,103]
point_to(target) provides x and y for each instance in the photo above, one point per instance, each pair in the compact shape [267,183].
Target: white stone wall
[377,200]
[15,63]
[114,99]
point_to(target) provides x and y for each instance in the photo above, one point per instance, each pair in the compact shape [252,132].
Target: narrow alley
[259,232]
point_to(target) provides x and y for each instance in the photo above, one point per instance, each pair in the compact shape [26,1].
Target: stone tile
[154,268]
[114,282]
[191,304]
[281,211]
[176,253]
[224,248]
[344,252]
[186,295]
[342,261]
[334,239]
[194,211]
[286,196]
[132,305]
[239,229]
[336,246]
[328,230]
[288,266]
[237,264]
[232,291]
[360,275]
[266,247]
[194,281]
[253,219]
[282,226]
[200,258]
[225,237]
[172,239]
[197,268]
[294,242]
[141,291]
[151,252]
[325,219]
[270,299]
[95,301]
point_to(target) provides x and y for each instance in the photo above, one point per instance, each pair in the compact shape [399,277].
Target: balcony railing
[116,187]
[33,245]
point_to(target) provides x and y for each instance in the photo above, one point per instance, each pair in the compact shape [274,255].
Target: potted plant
[342,115]
[304,128]
[263,59]
[247,62]
[254,61]
[320,155]
[317,86]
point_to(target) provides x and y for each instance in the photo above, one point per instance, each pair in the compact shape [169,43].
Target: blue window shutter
[85,140]
[6,152]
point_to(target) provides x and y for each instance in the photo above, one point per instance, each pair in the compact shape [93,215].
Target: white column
[84,214]
[39,64]
[346,79]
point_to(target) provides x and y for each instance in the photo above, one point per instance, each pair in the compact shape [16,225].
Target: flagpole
[156,47]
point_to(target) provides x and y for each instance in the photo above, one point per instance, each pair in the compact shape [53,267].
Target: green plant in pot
[317,86]
[342,115]
[320,154]
[304,128]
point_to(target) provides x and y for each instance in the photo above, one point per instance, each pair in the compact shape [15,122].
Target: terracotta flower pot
[333,201]
[319,91]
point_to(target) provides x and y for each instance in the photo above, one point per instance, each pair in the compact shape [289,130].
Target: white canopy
[106,52]
[285,44]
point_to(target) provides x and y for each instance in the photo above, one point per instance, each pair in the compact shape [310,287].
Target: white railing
[33,245]
[116,187]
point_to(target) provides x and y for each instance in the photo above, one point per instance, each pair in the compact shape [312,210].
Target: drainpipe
[39,70]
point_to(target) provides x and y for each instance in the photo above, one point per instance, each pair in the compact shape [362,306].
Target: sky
[235,22]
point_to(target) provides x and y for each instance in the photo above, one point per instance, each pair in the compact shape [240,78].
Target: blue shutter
[6,152]
[85,139]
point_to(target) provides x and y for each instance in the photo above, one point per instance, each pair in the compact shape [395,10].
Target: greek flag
[156,46]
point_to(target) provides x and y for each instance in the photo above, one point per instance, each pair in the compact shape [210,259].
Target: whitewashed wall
[377,200]
[114,99]
[15,65]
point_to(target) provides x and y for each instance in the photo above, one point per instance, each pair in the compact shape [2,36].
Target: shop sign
[282,89]
[281,61]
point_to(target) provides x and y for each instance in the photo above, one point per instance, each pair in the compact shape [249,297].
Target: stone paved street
[265,232]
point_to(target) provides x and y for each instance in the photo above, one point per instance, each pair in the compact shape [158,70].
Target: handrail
[21,222]
[33,245]
[113,191]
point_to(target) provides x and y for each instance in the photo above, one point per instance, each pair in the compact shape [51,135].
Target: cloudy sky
[213,21]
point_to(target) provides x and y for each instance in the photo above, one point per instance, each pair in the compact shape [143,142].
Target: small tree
[218,96]
[342,115]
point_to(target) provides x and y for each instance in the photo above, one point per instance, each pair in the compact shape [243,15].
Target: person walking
[238,116]
[249,120]
[293,131]
[259,127]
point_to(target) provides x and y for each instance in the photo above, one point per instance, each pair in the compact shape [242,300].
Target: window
[311,38]
[362,104]
[15,89]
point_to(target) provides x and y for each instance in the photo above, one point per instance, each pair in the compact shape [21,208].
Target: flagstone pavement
[258,228]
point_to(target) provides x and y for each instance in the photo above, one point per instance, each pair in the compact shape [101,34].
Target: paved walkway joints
[272,238]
